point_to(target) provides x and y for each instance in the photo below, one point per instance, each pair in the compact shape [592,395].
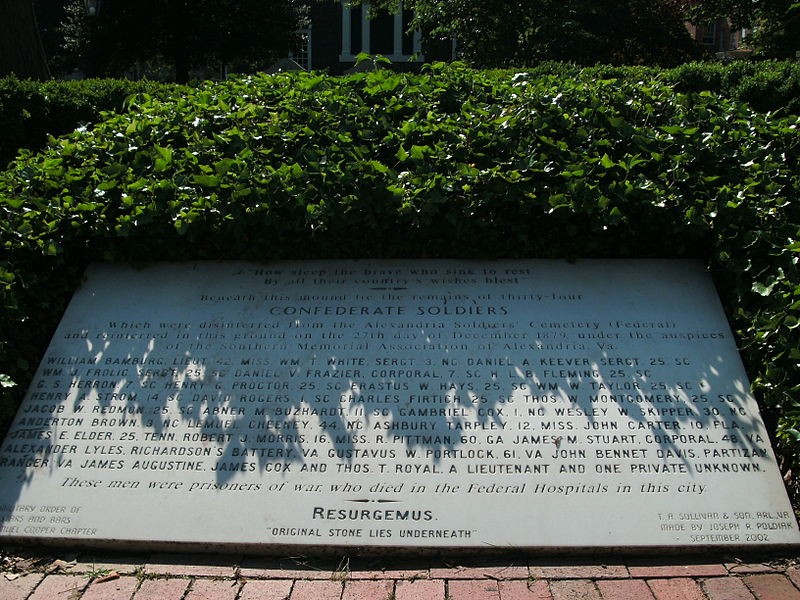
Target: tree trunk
[21,49]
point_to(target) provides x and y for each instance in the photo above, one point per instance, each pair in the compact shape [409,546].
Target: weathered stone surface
[414,404]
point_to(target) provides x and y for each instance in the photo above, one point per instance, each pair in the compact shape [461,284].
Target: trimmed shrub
[30,111]
[447,163]
[765,86]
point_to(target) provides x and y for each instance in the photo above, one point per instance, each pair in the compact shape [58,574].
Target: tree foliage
[180,33]
[524,32]
[775,23]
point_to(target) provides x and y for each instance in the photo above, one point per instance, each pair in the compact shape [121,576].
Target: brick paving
[679,588]
[266,589]
[772,587]
[210,577]
[517,589]
[726,588]
[213,589]
[419,589]
[473,589]
[625,589]
[368,590]
[111,589]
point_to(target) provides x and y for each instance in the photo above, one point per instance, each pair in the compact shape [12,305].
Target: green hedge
[30,111]
[448,163]
[767,86]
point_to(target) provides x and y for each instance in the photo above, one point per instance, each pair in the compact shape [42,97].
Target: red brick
[772,587]
[676,589]
[162,589]
[509,572]
[302,574]
[20,587]
[368,590]
[60,587]
[113,589]
[473,589]
[388,574]
[624,589]
[420,589]
[179,565]
[123,565]
[576,589]
[316,590]
[580,572]
[268,589]
[794,574]
[251,568]
[525,590]
[652,572]
[259,568]
[209,589]
[726,588]
[745,568]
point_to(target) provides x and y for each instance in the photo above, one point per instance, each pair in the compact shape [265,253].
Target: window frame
[346,54]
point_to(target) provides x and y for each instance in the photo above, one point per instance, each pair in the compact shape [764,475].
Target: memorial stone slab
[526,404]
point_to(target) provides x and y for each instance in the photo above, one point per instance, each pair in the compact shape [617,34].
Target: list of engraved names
[400,403]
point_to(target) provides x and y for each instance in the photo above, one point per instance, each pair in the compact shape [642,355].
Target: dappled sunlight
[386,392]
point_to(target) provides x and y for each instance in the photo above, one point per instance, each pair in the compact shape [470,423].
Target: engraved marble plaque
[394,404]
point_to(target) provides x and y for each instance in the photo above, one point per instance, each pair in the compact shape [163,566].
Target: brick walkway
[193,577]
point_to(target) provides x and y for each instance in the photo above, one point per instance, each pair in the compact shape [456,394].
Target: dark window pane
[408,36]
[381,34]
[355,30]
